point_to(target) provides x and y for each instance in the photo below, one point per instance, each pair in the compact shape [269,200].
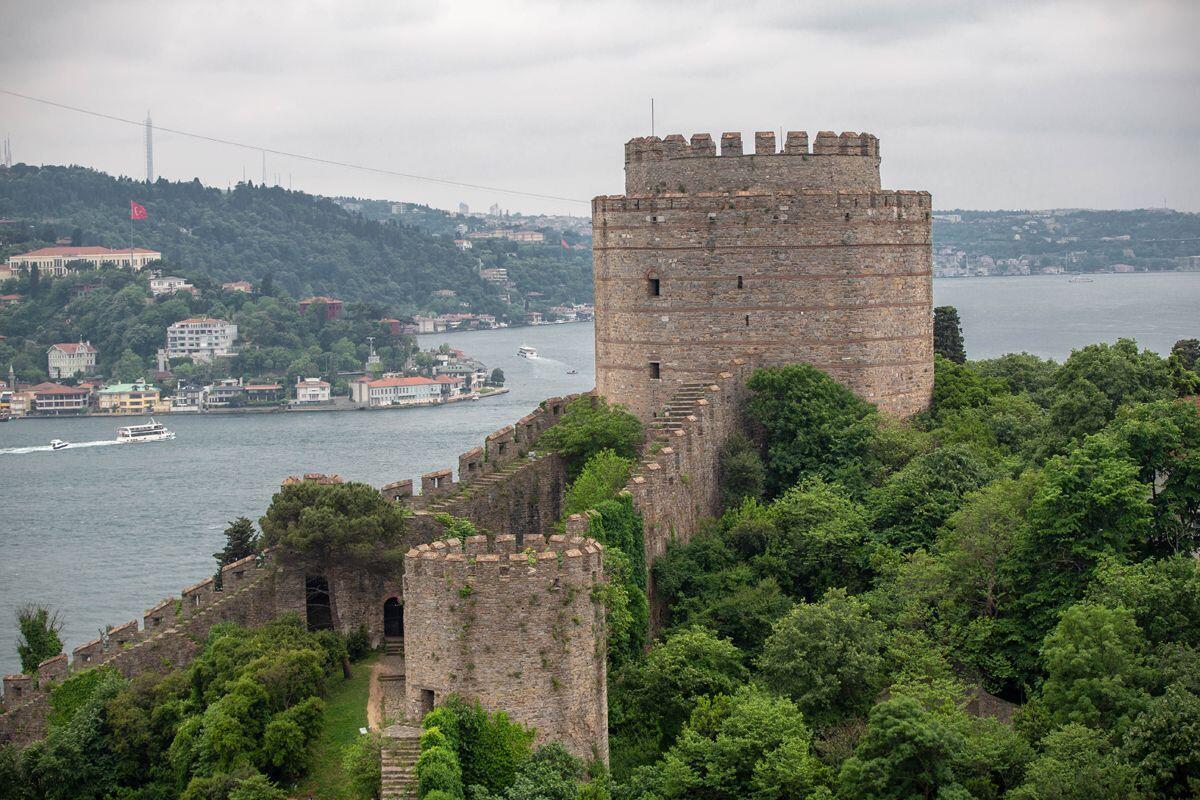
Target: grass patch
[345,713]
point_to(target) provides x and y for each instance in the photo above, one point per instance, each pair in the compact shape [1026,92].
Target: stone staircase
[463,490]
[401,747]
[393,645]
[681,404]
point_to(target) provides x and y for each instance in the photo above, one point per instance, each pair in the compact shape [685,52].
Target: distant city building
[54,260]
[445,293]
[494,274]
[52,398]
[464,209]
[526,236]
[463,244]
[395,391]
[312,390]
[171,284]
[9,299]
[69,359]
[333,306]
[137,397]
[200,338]
[238,286]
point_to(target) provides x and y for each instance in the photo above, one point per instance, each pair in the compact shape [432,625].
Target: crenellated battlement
[469,558]
[845,161]
[795,143]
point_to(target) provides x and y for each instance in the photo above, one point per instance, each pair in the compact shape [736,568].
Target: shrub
[358,643]
[362,765]
[438,770]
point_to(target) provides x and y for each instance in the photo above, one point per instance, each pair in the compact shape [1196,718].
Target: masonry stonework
[519,627]
[787,256]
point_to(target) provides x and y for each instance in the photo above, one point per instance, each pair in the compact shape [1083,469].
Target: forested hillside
[309,244]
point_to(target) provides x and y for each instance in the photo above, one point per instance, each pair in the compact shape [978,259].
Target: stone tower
[521,628]
[789,256]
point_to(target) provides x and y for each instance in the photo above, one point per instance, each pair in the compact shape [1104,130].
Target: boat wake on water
[46,448]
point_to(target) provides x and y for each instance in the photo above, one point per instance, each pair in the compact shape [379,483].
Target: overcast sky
[985,104]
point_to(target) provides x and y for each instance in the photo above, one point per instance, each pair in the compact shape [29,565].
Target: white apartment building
[54,260]
[69,359]
[394,391]
[170,284]
[312,390]
[201,338]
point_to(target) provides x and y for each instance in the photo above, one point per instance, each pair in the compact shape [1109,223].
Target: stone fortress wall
[788,257]
[518,625]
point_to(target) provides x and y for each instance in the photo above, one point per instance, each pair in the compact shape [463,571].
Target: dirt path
[387,666]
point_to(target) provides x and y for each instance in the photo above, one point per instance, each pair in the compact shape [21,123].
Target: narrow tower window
[655,371]
[654,287]
[747,320]
[740,284]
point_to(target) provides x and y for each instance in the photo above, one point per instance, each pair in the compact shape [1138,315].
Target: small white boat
[150,432]
[58,444]
[1081,279]
[572,371]
[525,351]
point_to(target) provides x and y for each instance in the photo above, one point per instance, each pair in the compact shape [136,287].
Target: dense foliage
[113,309]
[308,244]
[588,425]
[39,628]
[315,521]
[947,334]
[231,726]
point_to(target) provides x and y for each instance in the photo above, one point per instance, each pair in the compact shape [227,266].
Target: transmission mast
[149,149]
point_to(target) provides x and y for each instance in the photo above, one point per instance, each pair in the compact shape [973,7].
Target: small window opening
[655,288]
[747,320]
[741,285]
[655,369]
[427,701]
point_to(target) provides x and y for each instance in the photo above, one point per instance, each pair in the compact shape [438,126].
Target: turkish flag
[565,246]
[137,211]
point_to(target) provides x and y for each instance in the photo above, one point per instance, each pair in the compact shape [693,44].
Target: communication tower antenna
[264,174]
[651,116]
[7,152]
[149,149]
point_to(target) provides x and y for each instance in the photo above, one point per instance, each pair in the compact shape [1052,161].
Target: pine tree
[241,540]
[947,334]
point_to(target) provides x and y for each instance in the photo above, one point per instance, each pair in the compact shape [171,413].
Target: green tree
[1095,669]
[827,657]
[1161,745]
[1096,380]
[747,745]
[497,377]
[1077,763]
[602,477]
[961,386]
[39,628]
[914,503]
[345,521]
[241,540]
[907,752]
[947,334]
[657,695]
[551,774]
[740,469]
[818,539]
[1188,352]
[130,367]
[813,426]
[588,425]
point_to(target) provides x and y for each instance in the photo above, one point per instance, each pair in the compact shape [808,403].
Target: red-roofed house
[53,398]
[395,391]
[312,390]
[69,359]
[54,260]
[333,307]
[451,385]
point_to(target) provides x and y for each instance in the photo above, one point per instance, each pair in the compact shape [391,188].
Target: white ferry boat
[150,432]
[58,444]
[525,351]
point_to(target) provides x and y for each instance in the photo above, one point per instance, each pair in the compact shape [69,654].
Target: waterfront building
[451,385]
[200,338]
[53,398]
[55,260]
[188,397]
[333,306]
[395,391]
[137,397]
[68,359]
[312,390]
[20,403]
[262,392]
[238,286]
[223,393]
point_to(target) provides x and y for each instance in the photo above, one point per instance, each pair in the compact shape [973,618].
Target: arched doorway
[393,618]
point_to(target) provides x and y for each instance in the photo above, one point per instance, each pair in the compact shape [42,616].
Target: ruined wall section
[520,627]
[170,636]
[840,280]
[503,486]
[847,161]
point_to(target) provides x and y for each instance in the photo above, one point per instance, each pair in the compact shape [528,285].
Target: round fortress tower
[520,628]
[790,256]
